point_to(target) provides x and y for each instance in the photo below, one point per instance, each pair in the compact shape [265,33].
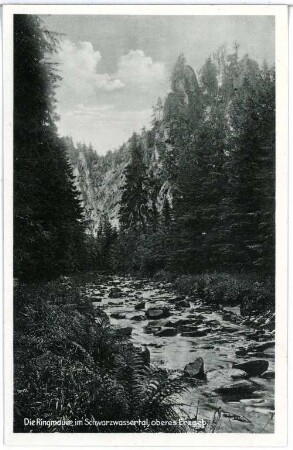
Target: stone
[262,346]
[126,331]
[115,294]
[151,328]
[229,329]
[96,299]
[195,369]
[239,387]
[139,306]
[237,373]
[137,318]
[178,322]
[183,304]
[195,333]
[157,313]
[254,367]
[118,315]
[268,375]
[166,332]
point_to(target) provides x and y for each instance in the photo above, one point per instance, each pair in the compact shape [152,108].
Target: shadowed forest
[178,225]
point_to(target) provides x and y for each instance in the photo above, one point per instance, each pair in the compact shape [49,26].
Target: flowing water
[217,348]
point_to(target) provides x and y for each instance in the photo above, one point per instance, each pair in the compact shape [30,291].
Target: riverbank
[75,372]
[89,332]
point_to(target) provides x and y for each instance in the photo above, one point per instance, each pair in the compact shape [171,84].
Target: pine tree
[134,200]
[252,169]
[208,75]
[48,231]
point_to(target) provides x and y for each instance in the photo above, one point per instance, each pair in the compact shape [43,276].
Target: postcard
[145,222]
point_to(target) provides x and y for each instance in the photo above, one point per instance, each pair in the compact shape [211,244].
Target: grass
[253,295]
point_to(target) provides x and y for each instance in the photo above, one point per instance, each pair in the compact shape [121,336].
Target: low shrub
[252,295]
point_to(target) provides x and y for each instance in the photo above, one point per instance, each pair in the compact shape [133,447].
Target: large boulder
[126,331]
[196,333]
[157,313]
[253,368]
[178,322]
[118,315]
[182,304]
[237,388]
[166,332]
[262,346]
[195,369]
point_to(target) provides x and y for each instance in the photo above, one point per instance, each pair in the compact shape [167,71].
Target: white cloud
[82,81]
[78,64]
[138,69]
[104,108]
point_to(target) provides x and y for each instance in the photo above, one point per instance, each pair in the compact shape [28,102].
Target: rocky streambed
[232,357]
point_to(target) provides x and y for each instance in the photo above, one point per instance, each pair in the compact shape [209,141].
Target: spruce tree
[48,234]
[134,200]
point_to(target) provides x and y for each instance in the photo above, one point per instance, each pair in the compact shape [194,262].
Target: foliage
[71,364]
[133,206]
[216,144]
[48,232]
[253,296]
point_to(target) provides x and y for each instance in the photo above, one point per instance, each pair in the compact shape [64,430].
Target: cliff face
[100,178]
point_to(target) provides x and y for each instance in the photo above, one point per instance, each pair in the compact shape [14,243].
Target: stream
[219,341]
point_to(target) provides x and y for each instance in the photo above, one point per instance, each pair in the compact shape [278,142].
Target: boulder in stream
[139,306]
[262,346]
[126,331]
[239,387]
[166,332]
[157,313]
[115,293]
[196,333]
[182,304]
[195,369]
[118,315]
[254,367]
[138,318]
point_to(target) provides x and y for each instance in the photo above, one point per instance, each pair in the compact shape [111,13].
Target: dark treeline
[217,152]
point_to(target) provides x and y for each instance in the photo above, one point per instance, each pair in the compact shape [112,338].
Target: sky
[114,68]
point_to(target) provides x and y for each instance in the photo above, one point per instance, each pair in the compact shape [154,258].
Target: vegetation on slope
[70,364]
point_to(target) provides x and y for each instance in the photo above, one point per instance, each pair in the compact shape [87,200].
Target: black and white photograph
[146,162]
